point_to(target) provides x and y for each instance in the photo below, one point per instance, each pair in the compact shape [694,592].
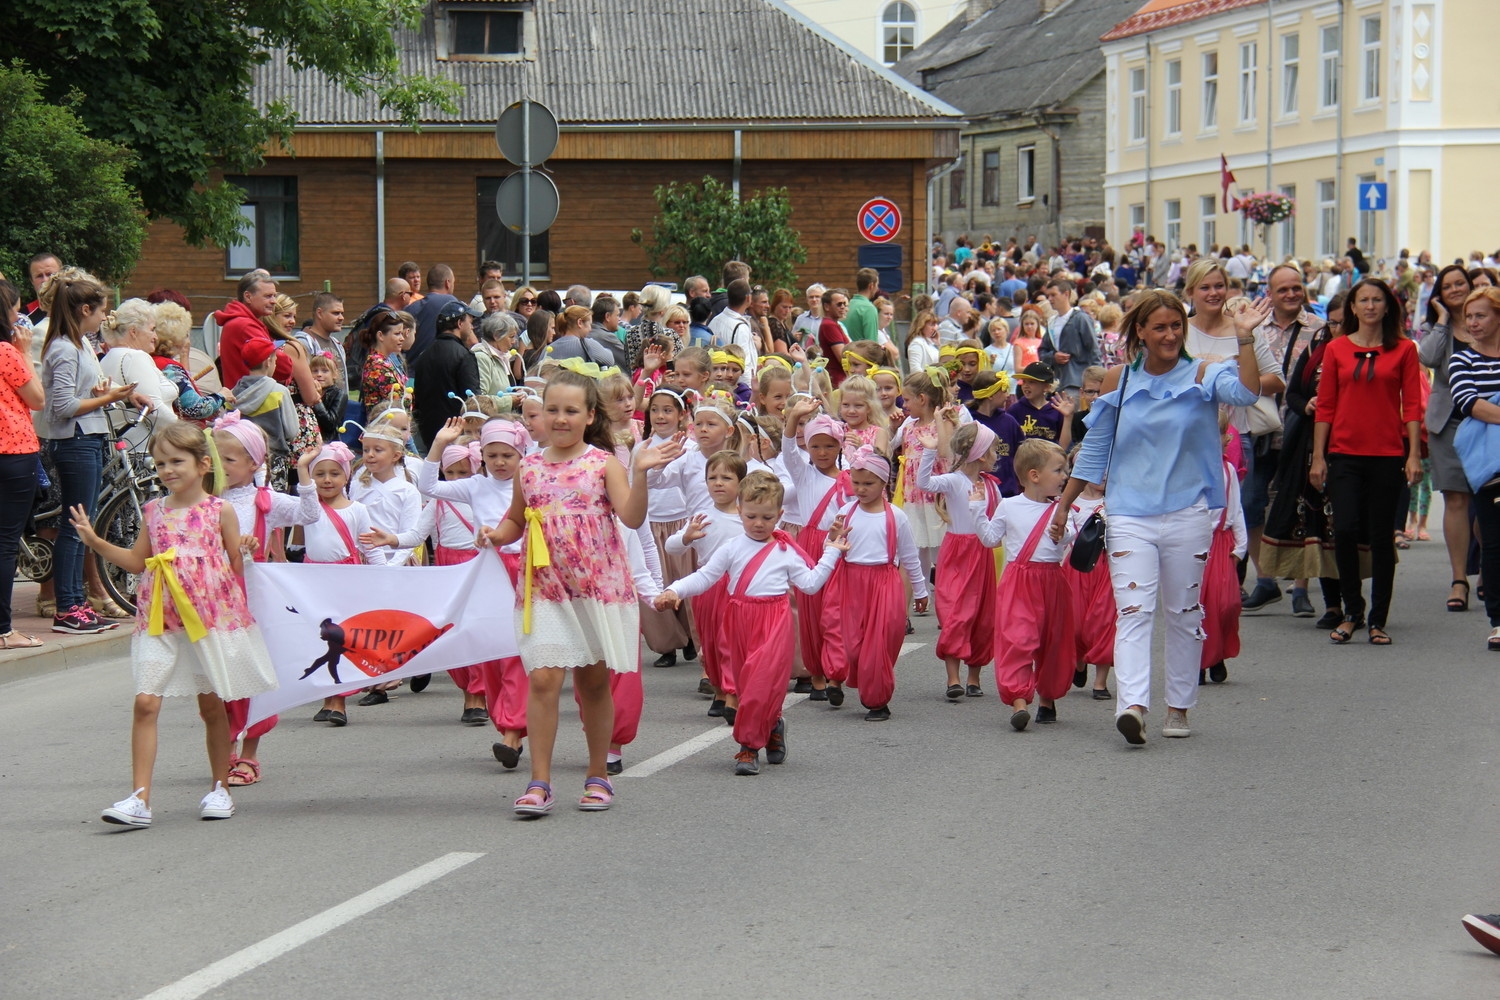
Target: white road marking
[213,976]
[708,738]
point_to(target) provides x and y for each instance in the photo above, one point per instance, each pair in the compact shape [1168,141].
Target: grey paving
[1320,835]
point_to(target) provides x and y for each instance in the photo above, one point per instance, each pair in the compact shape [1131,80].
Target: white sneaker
[129,812]
[1176,726]
[216,804]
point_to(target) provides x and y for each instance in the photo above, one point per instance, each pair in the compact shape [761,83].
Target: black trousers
[1487,513]
[1365,491]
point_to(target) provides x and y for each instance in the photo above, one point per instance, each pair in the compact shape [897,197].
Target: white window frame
[1172,216]
[1289,227]
[1137,82]
[1328,66]
[1249,79]
[1210,91]
[1138,218]
[1369,60]
[1291,68]
[1026,174]
[1208,229]
[1173,74]
[1368,227]
[890,20]
[1328,209]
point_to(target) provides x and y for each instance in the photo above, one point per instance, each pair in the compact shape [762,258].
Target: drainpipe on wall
[933,203]
[1054,208]
[1149,211]
[380,211]
[1270,101]
[1338,144]
[969,187]
[738,150]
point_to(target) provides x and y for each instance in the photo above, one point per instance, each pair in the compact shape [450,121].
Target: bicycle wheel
[119,523]
[34,559]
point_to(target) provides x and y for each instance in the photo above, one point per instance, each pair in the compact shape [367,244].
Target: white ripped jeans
[1161,556]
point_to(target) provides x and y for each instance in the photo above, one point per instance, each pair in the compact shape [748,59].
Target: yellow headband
[947,351]
[893,373]
[1002,384]
[774,361]
[213,454]
[588,369]
[938,374]
[984,359]
[725,358]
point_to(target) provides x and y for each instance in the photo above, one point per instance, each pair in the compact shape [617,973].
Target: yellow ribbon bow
[537,554]
[900,498]
[166,576]
[588,369]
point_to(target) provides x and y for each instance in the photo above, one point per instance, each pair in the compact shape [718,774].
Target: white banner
[333,629]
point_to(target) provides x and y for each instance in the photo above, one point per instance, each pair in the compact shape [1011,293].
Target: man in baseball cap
[447,366]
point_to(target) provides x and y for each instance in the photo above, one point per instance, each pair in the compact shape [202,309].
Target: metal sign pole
[526,193]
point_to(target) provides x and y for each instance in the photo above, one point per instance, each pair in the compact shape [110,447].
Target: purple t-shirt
[1045,423]
[1008,434]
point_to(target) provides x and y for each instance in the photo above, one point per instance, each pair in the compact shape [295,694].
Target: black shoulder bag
[1089,545]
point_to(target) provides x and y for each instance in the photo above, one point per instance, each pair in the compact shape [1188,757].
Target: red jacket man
[240,324]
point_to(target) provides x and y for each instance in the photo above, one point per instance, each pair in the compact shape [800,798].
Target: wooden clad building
[747,91]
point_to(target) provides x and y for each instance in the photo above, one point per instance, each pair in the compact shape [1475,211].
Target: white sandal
[18,640]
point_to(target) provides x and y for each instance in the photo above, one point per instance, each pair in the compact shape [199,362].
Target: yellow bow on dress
[537,554]
[166,576]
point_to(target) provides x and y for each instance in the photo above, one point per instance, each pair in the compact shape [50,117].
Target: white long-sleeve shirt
[393,505]
[324,544]
[663,503]
[722,527]
[689,474]
[956,487]
[285,511]
[443,522]
[647,585]
[1014,518]
[782,568]
[868,545]
[488,499]
[811,486]
[1234,514]
[791,511]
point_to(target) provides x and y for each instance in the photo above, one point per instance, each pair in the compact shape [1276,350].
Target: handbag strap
[1119,410]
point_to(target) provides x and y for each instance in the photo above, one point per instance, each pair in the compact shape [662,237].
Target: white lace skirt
[580,633]
[927,526]
[232,664]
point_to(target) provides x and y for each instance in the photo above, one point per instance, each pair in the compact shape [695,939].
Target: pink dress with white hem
[583,605]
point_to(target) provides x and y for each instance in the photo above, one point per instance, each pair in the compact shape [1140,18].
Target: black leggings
[1487,513]
[1365,491]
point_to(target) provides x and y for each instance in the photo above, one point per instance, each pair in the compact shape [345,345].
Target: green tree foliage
[699,227]
[170,80]
[64,190]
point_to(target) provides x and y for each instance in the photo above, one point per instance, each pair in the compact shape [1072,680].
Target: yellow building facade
[1309,99]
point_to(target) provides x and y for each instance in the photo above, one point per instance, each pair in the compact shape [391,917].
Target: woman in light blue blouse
[1165,486]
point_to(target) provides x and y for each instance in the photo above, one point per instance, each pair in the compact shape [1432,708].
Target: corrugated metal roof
[1160,14]
[1012,59]
[627,61]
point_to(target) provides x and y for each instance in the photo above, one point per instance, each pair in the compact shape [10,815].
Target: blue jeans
[80,468]
[17,491]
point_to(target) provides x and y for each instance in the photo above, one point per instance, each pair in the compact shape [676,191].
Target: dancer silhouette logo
[376,642]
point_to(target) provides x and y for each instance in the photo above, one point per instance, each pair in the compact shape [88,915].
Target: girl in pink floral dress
[576,604]
[194,634]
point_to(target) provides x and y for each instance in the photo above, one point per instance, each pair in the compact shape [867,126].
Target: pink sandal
[244,771]
[598,794]
[537,801]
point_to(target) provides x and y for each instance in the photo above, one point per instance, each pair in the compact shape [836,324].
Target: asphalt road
[1320,835]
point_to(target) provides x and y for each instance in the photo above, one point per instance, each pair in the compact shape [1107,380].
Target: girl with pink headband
[262,513]
[965,580]
[867,597]
[821,488]
[340,535]
[486,495]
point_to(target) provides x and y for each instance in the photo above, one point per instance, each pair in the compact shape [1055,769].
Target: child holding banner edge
[193,633]
[577,604]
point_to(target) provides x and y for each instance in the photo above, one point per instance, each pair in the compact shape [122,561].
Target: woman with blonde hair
[922,342]
[656,301]
[129,335]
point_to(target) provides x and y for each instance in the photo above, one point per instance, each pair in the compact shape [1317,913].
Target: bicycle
[129,483]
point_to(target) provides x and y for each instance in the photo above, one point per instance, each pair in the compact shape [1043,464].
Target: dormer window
[493,31]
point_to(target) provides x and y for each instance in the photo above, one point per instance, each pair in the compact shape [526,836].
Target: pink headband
[509,432]
[868,459]
[455,453]
[825,425]
[250,437]
[982,443]
[336,452]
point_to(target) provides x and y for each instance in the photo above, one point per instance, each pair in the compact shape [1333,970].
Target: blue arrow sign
[1372,196]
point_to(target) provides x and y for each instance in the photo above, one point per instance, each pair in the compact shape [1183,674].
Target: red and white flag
[333,629]
[1226,178]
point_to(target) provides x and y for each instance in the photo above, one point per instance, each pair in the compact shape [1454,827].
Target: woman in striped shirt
[1474,377]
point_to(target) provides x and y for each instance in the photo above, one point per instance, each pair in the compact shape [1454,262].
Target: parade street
[1320,835]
